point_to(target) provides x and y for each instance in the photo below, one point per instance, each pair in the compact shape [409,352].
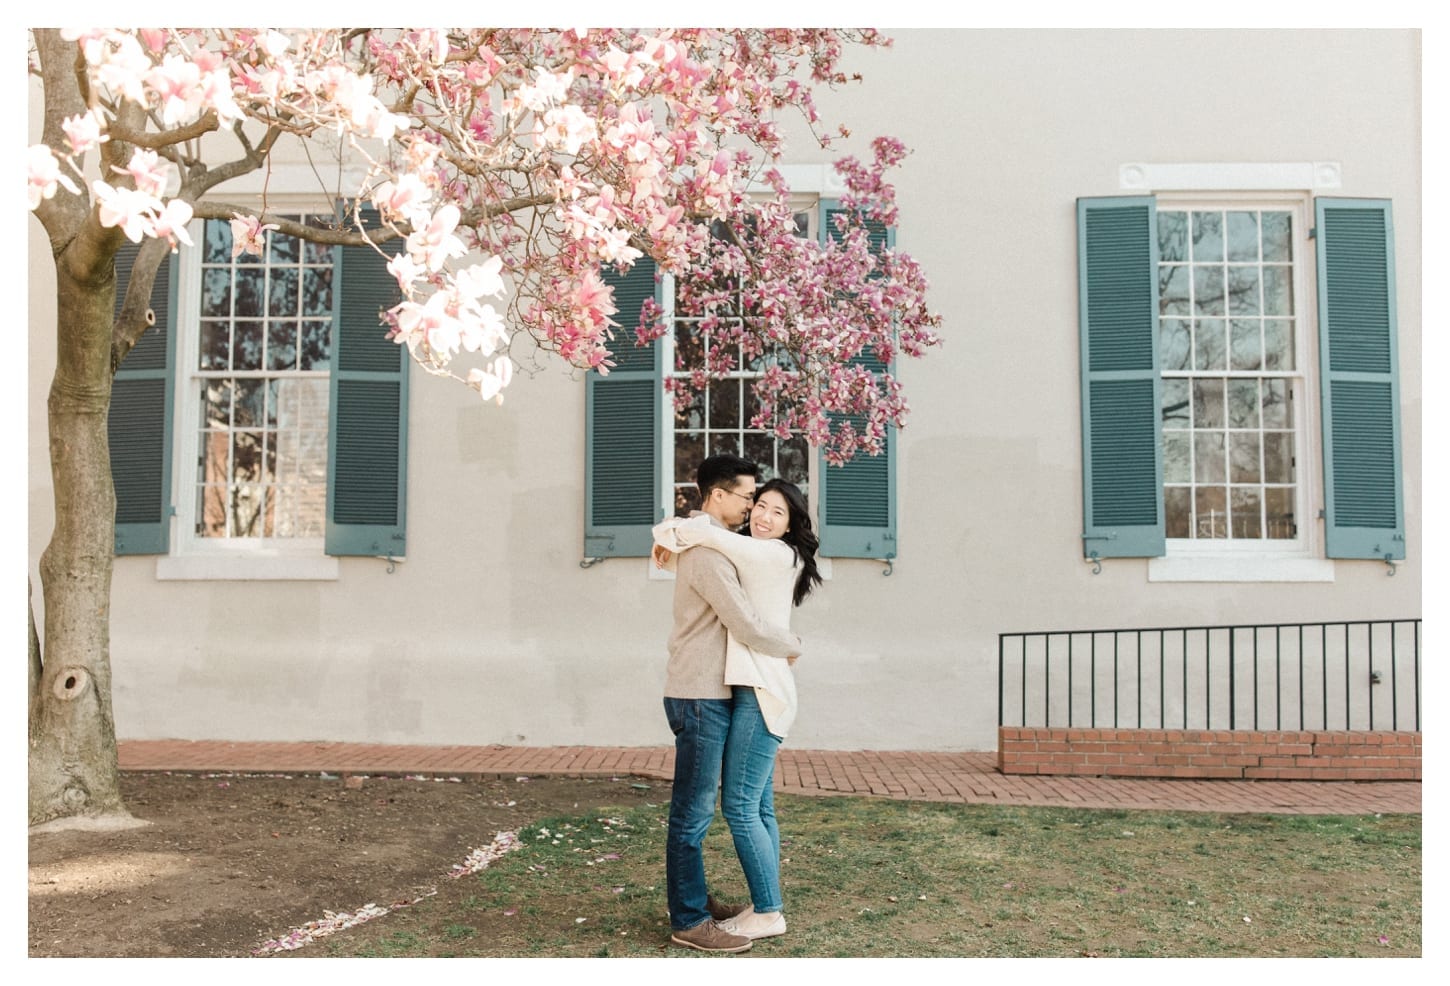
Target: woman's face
[770,518]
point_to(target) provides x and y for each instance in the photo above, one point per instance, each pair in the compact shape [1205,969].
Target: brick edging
[1312,755]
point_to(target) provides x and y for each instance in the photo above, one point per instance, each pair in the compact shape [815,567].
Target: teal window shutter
[1121,390]
[1360,388]
[367,445]
[858,500]
[622,416]
[138,425]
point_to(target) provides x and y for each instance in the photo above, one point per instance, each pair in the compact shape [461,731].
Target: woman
[777,567]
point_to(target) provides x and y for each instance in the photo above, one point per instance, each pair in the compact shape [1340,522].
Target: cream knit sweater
[767,569]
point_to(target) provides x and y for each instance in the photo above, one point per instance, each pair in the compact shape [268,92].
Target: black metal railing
[1361,675]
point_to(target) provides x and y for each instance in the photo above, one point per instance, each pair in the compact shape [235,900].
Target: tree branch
[165,138]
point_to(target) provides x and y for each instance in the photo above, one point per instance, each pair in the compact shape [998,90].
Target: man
[708,605]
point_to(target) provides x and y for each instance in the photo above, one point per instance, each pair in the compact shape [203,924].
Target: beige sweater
[710,606]
[767,568]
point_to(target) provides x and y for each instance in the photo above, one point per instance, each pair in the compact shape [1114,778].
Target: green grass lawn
[869,877]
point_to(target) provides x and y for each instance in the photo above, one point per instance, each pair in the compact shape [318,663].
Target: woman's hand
[661,555]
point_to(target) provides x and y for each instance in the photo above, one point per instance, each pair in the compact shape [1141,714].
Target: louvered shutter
[858,500]
[621,421]
[1359,391]
[368,432]
[1121,391]
[138,425]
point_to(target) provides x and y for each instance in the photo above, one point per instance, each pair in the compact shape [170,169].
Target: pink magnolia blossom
[522,161]
[249,235]
[170,225]
[132,210]
[434,243]
[45,175]
[148,171]
[83,131]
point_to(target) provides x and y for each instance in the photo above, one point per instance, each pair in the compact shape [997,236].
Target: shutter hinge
[1314,232]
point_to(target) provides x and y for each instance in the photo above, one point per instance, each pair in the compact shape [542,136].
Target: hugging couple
[729,691]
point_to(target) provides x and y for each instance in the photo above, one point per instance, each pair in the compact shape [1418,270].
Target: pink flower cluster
[516,164]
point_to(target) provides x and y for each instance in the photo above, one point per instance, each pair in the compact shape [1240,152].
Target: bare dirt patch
[230,862]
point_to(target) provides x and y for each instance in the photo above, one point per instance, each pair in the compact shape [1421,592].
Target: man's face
[737,501]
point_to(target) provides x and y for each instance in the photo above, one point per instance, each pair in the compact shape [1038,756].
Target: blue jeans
[700,726]
[747,800]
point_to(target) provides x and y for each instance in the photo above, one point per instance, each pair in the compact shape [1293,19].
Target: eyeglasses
[747,497]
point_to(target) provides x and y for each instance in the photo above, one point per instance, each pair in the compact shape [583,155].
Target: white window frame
[209,558]
[1259,186]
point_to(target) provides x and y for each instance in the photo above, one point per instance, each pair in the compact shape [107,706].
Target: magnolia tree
[516,166]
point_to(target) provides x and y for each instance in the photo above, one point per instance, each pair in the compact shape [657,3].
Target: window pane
[1208,291]
[1208,403]
[760,449]
[317,291]
[216,344]
[247,288]
[1208,457]
[282,346]
[1211,512]
[687,498]
[1278,344]
[1178,510]
[216,403]
[247,456]
[689,453]
[1176,467]
[1175,403]
[1244,457]
[1172,236]
[1207,236]
[248,404]
[1276,404]
[1279,506]
[793,461]
[1246,506]
[282,296]
[1174,343]
[216,292]
[724,443]
[216,244]
[1278,457]
[689,345]
[1173,291]
[1243,290]
[247,346]
[1209,349]
[316,345]
[1278,291]
[1244,345]
[691,413]
[1243,236]
[1277,237]
[1243,404]
[250,517]
[282,249]
[724,398]
[212,509]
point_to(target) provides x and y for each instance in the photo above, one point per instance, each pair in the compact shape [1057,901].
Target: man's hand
[661,555]
[792,659]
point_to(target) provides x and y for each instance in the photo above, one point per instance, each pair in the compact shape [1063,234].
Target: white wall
[492,633]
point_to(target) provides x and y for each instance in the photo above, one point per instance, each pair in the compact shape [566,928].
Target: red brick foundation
[1200,754]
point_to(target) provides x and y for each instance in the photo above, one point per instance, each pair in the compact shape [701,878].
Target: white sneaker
[754,925]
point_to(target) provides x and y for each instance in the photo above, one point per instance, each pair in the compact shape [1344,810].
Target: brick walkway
[970,778]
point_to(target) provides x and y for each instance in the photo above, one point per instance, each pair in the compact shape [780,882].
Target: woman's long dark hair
[799,535]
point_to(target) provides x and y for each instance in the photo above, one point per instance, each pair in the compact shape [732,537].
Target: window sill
[1239,568]
[246,568]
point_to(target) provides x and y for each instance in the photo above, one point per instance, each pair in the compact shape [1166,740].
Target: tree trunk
[73,765]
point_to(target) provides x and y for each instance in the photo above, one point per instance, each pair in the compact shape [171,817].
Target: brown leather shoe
[723,912]
[707,936]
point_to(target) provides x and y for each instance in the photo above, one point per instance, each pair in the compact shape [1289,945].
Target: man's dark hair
[723,471]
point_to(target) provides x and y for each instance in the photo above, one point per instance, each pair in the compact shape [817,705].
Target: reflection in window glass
[1227,322]
[264,352]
